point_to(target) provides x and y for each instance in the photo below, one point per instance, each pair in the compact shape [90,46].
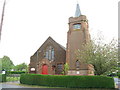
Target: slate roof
[57,43]
[50,38]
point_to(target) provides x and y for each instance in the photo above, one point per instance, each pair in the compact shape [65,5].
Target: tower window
[76,26]
[49,54]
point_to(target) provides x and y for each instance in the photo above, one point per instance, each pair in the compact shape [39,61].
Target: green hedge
[15,72]
[2,78]
[68,81]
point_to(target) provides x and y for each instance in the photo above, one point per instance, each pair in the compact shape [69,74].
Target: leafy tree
[21,67]
[103,57]
[6,63]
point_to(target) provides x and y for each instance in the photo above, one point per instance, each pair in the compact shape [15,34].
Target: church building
[51,56]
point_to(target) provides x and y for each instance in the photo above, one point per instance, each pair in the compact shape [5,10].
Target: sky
[28,23]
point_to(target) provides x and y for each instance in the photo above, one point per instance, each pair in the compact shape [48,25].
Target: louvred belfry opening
[44,69]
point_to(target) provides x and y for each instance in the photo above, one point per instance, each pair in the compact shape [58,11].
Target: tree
[103,57]
[21,67]
[66,68]
[6,63]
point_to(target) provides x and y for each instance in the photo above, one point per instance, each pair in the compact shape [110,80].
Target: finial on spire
[78,12]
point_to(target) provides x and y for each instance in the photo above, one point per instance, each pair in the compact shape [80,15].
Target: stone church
[51,56]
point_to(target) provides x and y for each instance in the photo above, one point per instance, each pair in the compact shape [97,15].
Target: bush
[2,78]
[15,72]
[112,74]
[68,81]
[118,74]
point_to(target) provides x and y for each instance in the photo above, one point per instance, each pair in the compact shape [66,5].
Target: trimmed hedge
[15,72]
[68,81]
[2,78]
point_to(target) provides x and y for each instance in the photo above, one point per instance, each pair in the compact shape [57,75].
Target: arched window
[49,54]
[77,64]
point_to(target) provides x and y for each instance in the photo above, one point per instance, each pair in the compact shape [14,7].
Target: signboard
[78,72]
[3,72]
[32,69]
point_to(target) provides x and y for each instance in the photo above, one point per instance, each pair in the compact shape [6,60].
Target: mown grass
[8,79]
[63,88]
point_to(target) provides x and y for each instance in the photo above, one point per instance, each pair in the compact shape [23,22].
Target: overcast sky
[28,23]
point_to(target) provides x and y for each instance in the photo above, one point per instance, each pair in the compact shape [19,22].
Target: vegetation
[15,72]
[2,78]
[21,67]
[67,81]
[103,57]
[6,63]
[118,68]
[66,68]
[12,79]
[118,74]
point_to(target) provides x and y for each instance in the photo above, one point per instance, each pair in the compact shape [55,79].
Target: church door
[44,69]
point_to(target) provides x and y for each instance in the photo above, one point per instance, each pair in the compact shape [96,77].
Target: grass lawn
[36,86]
[63,88]
[12,79]
[116,76]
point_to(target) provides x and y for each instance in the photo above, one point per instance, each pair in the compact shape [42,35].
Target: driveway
[14,86]
[11,85]
[17,86]
[117,82]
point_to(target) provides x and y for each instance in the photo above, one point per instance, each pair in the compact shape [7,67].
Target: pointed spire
[78,12]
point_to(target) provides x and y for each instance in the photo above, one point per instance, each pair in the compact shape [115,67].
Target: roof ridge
[46,41]
[58,43]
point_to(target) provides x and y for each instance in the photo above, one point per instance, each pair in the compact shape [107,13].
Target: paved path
[11,85]
[4,85]
[117,82]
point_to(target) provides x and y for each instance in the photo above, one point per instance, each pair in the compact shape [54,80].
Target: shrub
[68,81]
[112,74]
[15,72]
[118,74]
[2,78]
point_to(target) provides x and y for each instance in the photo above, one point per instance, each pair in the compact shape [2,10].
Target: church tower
[77,35]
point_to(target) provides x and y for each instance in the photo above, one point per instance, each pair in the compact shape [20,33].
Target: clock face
[76,26]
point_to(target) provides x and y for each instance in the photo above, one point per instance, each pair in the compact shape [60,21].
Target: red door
[44,69]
